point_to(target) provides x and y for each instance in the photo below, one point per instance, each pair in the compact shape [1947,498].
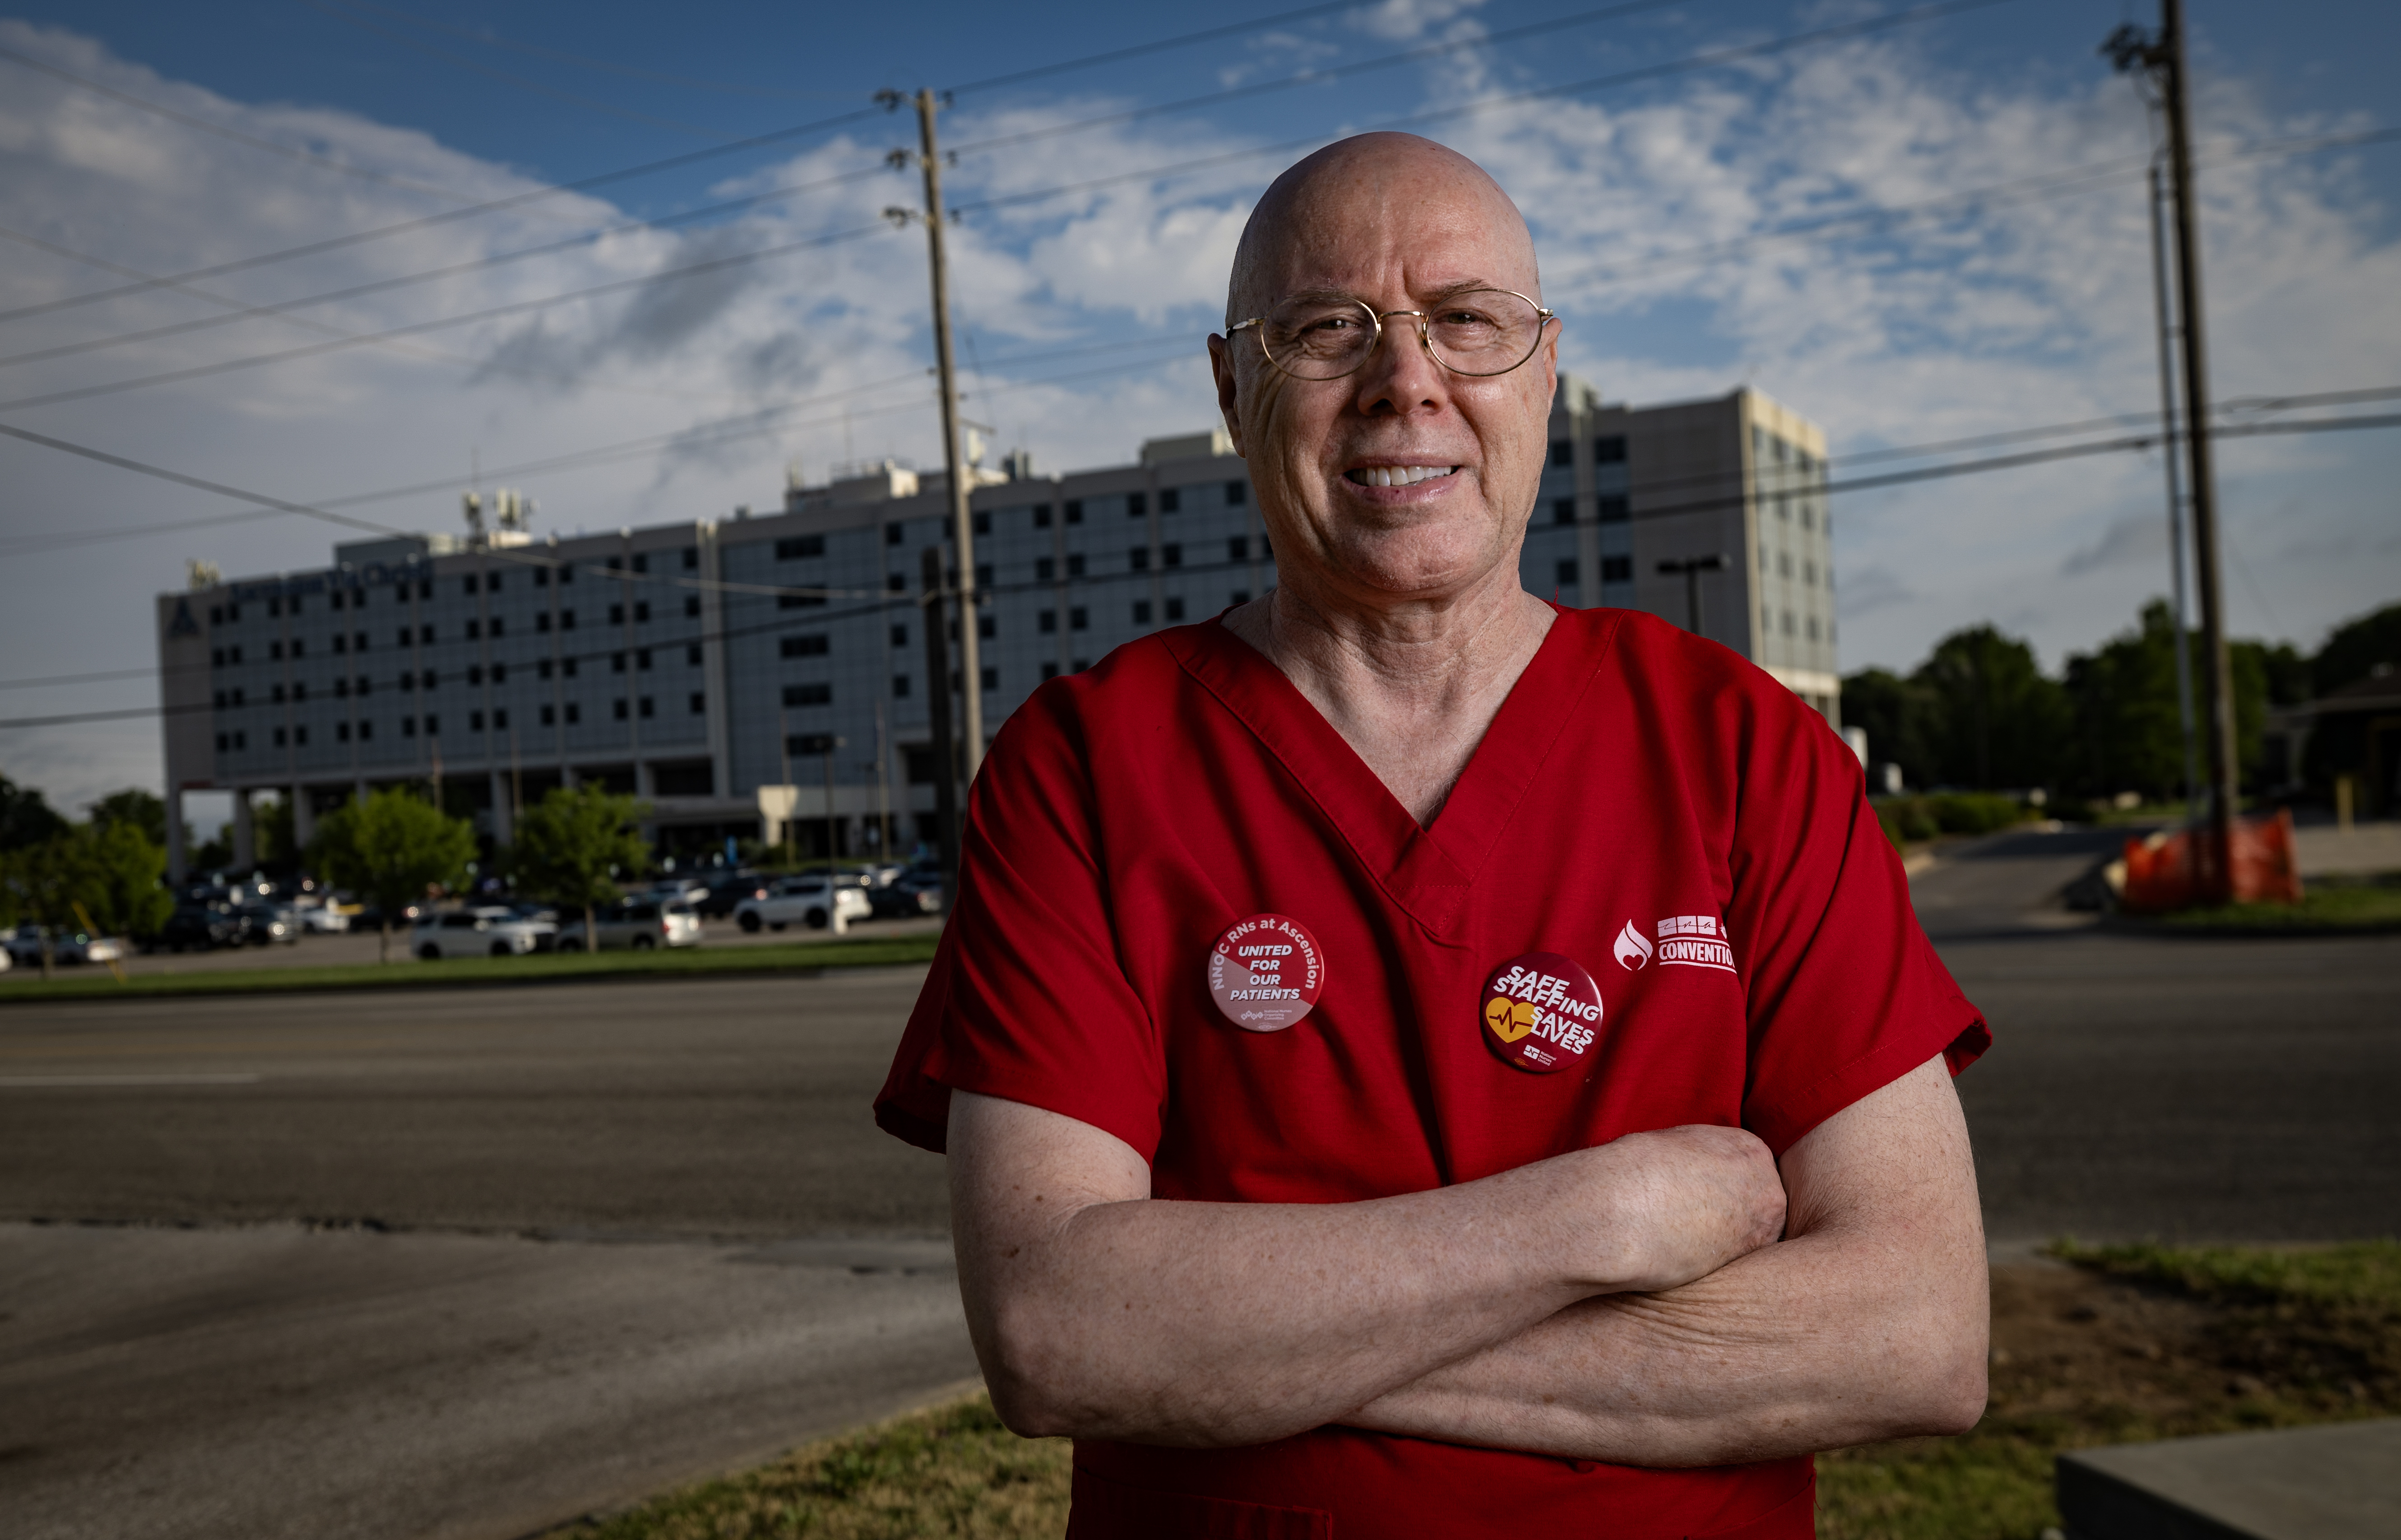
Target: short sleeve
[1845,993]
[1028,999]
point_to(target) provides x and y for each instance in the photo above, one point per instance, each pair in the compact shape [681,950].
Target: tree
[571,845]
[123,872]
[2123,694]
[26,819]
[137,807]
[389,849]
[45,880]
[1898,715]
[2354,649]
[1998,721]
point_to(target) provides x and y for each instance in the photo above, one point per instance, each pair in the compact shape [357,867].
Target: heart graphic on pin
[1542,1012]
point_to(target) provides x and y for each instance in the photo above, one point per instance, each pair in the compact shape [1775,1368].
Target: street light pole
[938,714]
[1692,568]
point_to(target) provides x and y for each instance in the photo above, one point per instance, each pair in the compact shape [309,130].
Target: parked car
[489,930]
[676,889]
[324,917]
[269,923]
[67,947]
[200,927]
[904,900]
[728,891]
[812,900]
[639,923]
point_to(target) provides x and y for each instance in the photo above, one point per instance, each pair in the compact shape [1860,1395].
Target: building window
[367,731]
[987,625]
[223,743]
[358,642]
[700,703]
[1784,564]
[1174,607]
[809,743]
[425,634]
[341,691]
[616,663]
[981,521]
[692,607]
[279,737]
[300,690]
[900,636]
[895,583]
[1079,619]
[1238,548]
[341,732]
[242,740]
[299,646]
[220,701]
[1565,572]
[992,678]
[799,601]
[500,719]
[692,558]
[1136,505]
[642,659]
[1138,559]
[899,686]
[641,561]
[475,630]
[1046,622]
[1236,493]
[566,573]
[1050,671]
[1170,556]
[649,707]
[274,608]
[566,620]
[475,722]
[1171,500]
[1617,568]
[338,641]
[216,657]
[1142,611]
[274,650]
[550,716]
[1788,622]
[1610,451]
[470,584]
[1562,452]
[500,625]
[541,621]
[1811,624]
[895,533]
[541,668]
[276,694]
[616,614]
[800,548]
[433,726]
[1240,595]
[567,667]
[541,577]
[819,693]
[617,708]
[1616,509]
[233,614]
[1046,569]
[574,713]
[691,655]
[1075,569]
[1563,510]
[474,673]
[1042,516]
[237,695]
[642,613]
[1074,509]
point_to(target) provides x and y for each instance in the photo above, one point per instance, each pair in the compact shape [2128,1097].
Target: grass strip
[2141,1343]
[2330,905]
[483,972]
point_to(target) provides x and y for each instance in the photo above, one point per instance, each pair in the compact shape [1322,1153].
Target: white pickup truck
[813,902]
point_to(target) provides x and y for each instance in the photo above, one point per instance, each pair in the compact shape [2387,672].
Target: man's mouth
[1398,476]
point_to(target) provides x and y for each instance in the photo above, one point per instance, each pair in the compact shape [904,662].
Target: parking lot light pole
[1692,568]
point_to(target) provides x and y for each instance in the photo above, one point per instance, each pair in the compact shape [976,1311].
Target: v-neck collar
[1427,871]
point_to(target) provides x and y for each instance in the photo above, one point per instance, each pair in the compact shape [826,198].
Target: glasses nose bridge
[1424,331]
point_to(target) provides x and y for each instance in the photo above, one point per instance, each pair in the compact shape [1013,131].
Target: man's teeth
[1400,476]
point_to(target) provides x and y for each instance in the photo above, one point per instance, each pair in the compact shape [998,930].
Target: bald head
[1388,196]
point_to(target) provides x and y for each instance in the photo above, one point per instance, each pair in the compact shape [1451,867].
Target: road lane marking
[34,1082]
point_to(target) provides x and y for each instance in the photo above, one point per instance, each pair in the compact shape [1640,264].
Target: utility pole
[2170,448]
[930,160]
[832,743]
[1692,567]
[2166,58]
[937,712]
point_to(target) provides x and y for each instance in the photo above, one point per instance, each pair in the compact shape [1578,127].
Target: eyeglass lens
[1481,331]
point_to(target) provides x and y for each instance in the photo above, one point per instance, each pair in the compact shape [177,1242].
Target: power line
[1117,56]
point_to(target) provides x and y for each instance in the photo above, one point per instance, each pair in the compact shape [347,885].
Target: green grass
[23,985]
[2304,1332]
[2328,904]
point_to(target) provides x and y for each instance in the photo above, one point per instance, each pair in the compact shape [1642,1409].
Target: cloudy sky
[1915,225]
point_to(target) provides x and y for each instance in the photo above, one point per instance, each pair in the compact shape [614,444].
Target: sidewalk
[2324,850]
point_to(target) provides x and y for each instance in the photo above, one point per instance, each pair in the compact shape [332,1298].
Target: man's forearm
[1105,1314]
[1870,1323]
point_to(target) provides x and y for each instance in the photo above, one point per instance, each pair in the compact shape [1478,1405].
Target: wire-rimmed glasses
[1478,333]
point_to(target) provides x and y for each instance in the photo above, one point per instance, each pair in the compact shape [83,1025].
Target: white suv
[486,932]
[811,901]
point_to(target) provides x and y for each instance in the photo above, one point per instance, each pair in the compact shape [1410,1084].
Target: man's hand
[1101,1312]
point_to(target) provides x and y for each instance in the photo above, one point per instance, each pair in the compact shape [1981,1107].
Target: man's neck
[1412,687]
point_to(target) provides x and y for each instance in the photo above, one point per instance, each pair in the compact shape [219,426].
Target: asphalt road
[569,1245]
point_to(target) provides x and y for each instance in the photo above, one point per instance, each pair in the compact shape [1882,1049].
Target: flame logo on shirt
[1633,948]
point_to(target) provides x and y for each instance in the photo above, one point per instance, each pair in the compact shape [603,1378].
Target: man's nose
[1402,376]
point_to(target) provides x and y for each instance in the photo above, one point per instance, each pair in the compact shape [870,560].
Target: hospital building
[693,663]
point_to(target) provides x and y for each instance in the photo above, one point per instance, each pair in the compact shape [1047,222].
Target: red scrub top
[1646,804]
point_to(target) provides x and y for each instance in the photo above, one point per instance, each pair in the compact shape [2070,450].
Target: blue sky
[1856,223]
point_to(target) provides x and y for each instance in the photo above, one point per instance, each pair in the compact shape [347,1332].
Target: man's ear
[1221,367]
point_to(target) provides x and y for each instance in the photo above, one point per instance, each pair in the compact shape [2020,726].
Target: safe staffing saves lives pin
[1542,1012]
[1265,972]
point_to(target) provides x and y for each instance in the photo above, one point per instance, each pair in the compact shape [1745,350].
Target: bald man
[1414,1059]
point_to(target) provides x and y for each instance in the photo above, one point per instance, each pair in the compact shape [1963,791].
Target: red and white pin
[1265,972]
[1542,1012]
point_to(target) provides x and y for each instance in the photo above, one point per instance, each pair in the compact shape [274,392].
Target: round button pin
[1541,1012]
[1265,972]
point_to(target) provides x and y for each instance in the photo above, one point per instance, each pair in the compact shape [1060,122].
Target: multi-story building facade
[692,663]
